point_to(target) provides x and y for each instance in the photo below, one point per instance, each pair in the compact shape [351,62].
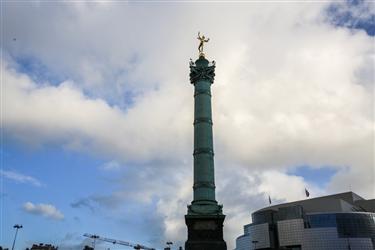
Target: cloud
[278,184]
[66,115]
[45,210]
[75,241]
[84,202]
[20,178]
[251,193]
[291,89]
[111,165]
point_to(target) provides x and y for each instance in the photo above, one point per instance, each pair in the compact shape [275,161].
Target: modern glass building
[343,221]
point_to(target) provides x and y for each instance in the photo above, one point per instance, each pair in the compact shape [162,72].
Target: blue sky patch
[319,176]
[353,15]
[38,71]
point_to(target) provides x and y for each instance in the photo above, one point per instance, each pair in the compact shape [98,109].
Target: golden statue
[202,40]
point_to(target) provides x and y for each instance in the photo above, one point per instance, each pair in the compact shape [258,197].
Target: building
[42,246]
[335,222]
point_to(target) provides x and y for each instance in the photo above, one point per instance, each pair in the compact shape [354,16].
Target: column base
[205,232]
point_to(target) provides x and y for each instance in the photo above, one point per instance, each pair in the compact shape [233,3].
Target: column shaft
[204,178]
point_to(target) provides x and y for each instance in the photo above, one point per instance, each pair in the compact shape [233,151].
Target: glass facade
[320,220]
[284,213]
[323,231]
[356,225]
[243,242]
[290,213]
[337,222]
[266,216]
[349,225]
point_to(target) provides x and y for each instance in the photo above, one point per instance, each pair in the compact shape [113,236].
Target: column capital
[202,69]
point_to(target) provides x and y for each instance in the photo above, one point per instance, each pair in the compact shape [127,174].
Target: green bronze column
[205,217]
[202,74]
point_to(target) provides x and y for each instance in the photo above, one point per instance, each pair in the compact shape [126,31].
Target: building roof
[342,202]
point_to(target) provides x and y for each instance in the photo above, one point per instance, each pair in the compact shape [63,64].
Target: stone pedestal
[205,232]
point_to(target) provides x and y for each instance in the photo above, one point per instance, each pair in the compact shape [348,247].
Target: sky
[97,110]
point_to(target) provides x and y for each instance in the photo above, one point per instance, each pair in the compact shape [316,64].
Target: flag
[307,193]
[269,199]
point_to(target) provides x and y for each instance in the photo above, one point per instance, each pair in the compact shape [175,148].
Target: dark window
[356,225]
[263,217]
[289,213]
[320,220]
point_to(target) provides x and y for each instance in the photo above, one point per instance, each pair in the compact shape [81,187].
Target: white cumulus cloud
[111,165]
[291,89]
[21,178]
[46,210]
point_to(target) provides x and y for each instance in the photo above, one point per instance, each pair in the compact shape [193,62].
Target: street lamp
[347,235]
[169,243]
[349,248]
[15,236]
[94,237]
[255,243]
[348,241]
